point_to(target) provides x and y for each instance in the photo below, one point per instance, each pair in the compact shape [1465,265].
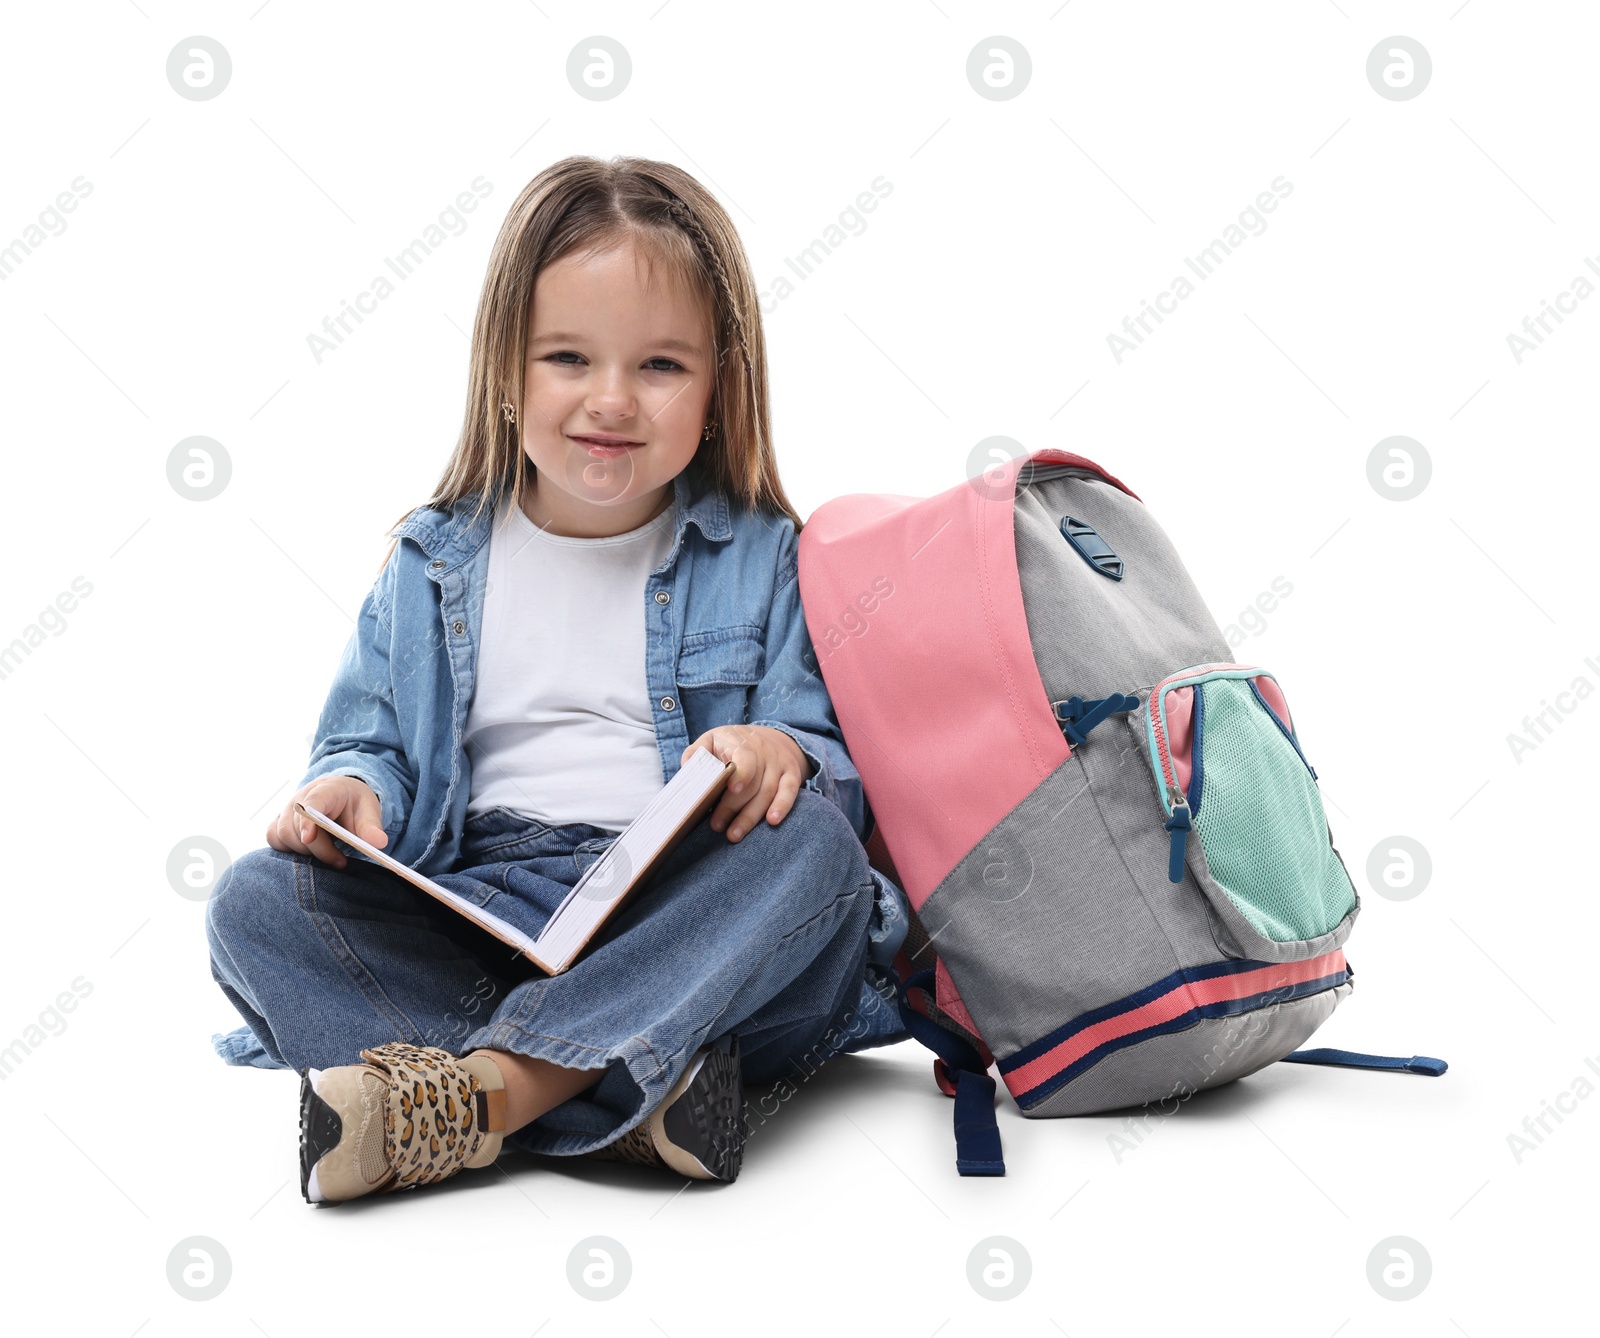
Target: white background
[178,699]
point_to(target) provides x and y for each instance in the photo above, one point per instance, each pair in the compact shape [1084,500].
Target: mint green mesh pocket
[1260,818]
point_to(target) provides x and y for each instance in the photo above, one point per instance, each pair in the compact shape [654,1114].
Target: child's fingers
[321,845]
[747,772]
[369,820]
[752,812]
[748,768]
[727,805]
[289,828]
[788,789]
[349,802]
[278,832]
[711,742]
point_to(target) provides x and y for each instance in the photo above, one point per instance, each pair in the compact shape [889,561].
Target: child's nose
[611,394]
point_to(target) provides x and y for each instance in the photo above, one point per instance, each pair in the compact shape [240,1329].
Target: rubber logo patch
[1091,547]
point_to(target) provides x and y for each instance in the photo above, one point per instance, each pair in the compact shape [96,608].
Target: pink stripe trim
[1175,1002]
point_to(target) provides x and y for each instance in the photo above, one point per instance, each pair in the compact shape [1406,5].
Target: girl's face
[618,378]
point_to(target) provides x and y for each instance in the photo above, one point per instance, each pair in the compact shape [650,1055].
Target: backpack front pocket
[1235,783]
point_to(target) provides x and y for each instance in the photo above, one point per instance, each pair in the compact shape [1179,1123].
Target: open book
[624,867]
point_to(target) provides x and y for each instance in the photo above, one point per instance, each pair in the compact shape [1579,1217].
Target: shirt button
[662,597]
[458,627]
[667,704]
[436,565]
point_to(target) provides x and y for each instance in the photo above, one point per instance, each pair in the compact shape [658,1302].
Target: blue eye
[560,357]
[664,365]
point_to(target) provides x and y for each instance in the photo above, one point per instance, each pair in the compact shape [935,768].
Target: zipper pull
[1179,825]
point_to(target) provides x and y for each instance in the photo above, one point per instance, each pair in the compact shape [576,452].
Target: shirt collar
[708,508]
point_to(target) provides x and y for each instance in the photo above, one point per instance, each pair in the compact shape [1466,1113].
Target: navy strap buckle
[1077,715]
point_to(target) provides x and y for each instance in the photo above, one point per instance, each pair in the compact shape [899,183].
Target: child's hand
[768,770]
[348,800]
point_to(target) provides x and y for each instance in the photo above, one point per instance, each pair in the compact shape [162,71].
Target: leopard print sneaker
[411,1115]
[699,1129]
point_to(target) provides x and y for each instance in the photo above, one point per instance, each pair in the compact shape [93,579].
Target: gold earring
[509,411]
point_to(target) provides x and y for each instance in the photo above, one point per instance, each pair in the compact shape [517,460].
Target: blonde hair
[585,204]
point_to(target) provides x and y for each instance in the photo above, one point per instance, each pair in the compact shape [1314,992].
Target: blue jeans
[769,937]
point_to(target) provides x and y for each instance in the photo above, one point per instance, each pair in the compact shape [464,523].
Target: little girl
[603,581]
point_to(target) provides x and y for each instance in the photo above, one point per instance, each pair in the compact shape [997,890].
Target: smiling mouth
[605,441]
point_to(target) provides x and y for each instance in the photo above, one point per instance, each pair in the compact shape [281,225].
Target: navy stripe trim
[1197,752]
[1222,1008]
[1282,728]
[1187,975]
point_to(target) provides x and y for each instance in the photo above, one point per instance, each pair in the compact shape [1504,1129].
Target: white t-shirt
[560,727]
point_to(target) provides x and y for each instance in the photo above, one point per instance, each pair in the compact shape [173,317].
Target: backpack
[1122,880]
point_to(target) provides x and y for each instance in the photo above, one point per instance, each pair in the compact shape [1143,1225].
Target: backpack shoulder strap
[896,586]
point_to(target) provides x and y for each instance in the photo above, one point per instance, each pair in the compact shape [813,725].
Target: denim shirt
[725,637]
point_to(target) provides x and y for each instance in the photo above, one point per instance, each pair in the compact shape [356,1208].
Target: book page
[632,857]
[506,933]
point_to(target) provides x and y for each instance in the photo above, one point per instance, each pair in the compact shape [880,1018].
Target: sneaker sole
[320,1132]
[707,1121]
